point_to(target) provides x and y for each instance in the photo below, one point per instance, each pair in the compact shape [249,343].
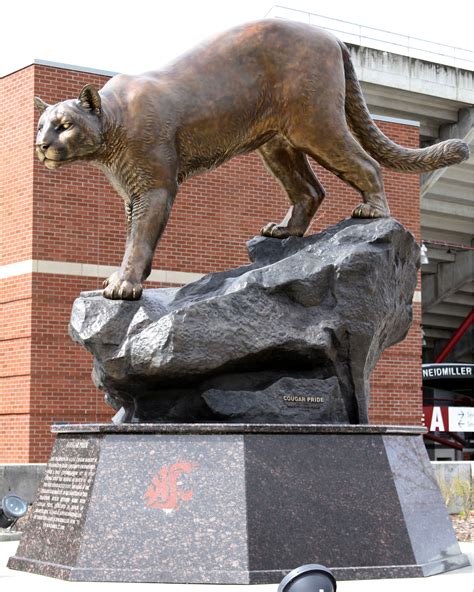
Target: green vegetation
[457,492]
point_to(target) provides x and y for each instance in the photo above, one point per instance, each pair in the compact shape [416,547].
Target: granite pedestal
[238,503]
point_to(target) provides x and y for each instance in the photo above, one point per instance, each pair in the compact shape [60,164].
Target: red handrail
[448,348]
[443,441]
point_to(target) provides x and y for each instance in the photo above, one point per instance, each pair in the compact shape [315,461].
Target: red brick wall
[76,216]
[16,221]
[16,165]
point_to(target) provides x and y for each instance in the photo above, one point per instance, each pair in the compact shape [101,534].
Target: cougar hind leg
[291,169]
[338,151]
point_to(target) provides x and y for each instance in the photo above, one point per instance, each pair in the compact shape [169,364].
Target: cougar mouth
[52,163]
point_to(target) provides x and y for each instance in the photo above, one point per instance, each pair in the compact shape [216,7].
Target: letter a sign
[436,419]
[437,422]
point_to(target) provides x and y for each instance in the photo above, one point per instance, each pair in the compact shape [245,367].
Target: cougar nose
[43,146]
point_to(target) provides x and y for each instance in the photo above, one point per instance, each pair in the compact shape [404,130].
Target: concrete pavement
[461,580]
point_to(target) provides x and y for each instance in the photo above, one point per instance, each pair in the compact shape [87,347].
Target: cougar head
[70,130]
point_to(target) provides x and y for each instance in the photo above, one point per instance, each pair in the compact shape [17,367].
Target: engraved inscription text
[65,491]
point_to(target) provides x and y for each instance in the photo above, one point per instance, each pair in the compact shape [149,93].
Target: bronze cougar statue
[285,89]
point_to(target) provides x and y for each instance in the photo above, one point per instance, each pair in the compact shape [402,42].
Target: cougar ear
[40,104]
[89,99]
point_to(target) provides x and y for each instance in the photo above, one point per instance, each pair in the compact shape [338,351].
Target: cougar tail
[382,148]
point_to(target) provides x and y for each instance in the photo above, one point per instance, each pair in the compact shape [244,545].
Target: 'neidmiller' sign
[448,371]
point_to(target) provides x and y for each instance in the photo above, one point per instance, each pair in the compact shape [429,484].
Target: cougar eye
[64,126]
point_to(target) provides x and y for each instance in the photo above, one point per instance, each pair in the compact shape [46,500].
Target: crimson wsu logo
[166,490]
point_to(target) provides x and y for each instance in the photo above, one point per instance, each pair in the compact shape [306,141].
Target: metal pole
[455,338]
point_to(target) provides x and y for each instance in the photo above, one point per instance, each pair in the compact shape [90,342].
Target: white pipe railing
[379,39]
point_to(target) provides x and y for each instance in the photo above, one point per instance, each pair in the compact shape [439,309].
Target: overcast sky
[136,35]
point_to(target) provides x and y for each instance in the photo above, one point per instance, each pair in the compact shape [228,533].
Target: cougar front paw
[116,288]
[365,210]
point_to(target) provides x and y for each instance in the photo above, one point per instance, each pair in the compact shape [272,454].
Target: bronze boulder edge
[233,428]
